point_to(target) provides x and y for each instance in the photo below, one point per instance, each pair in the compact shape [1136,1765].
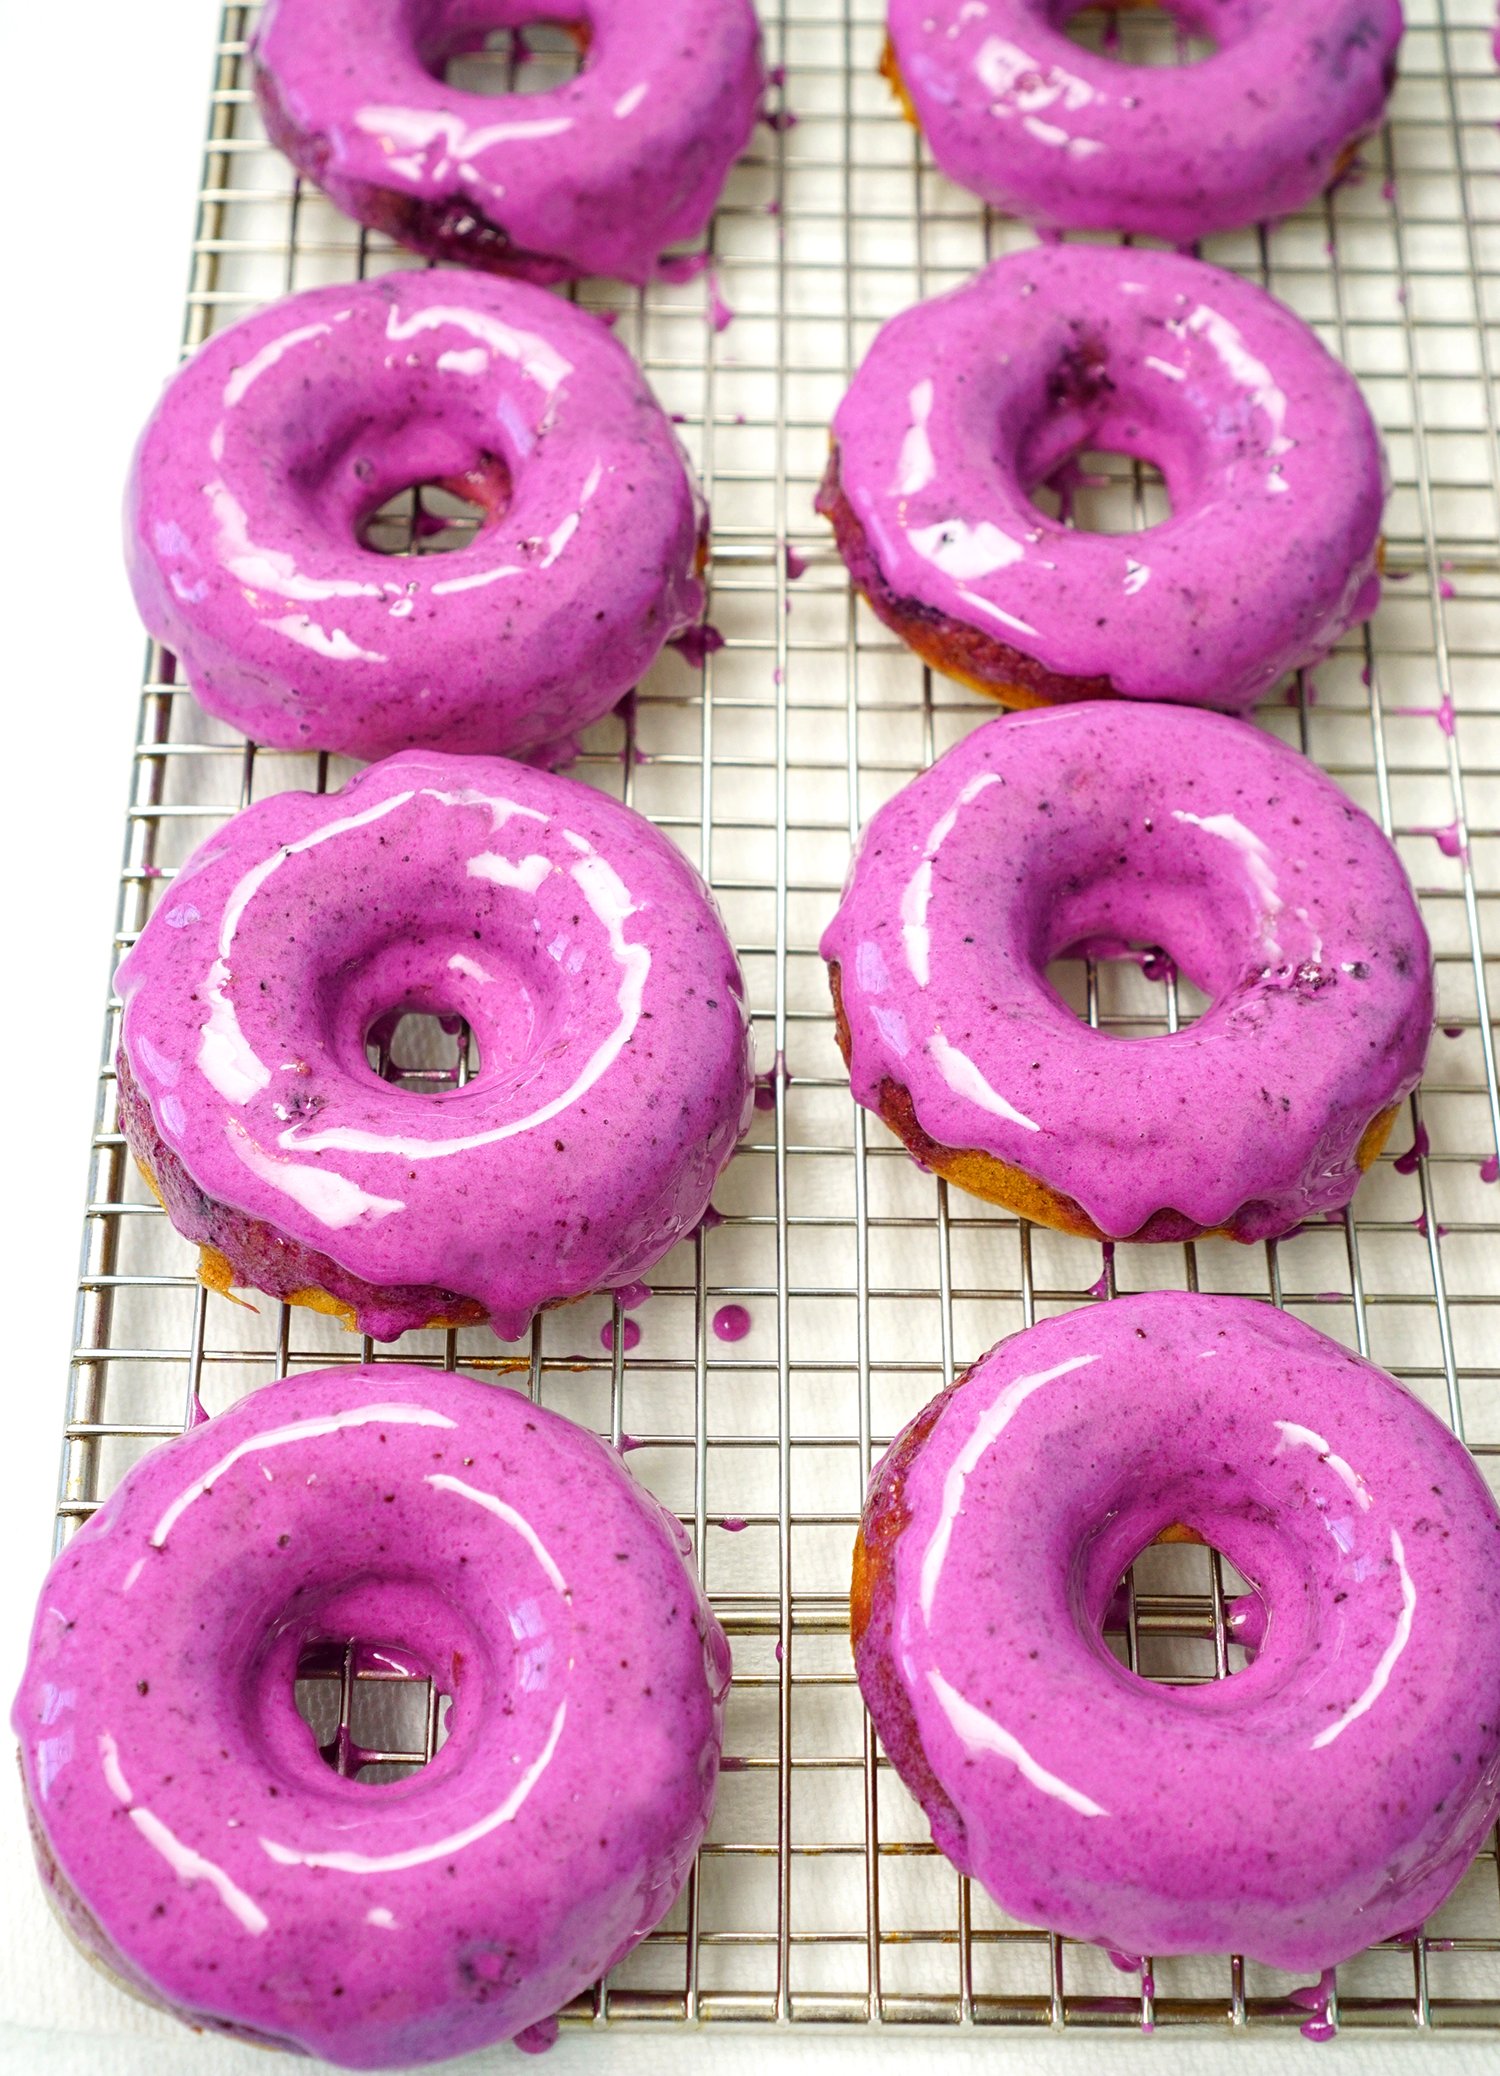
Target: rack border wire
[817,1897]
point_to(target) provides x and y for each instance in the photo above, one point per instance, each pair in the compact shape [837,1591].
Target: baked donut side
[968,654]
[1158,1819]
[1000,1182]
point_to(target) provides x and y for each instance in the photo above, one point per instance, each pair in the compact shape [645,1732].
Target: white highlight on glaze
[241,378]
[987,1431]
[526,874]
[916,896]
[332,1199]
[114,1776]
[1295,1437]
[965,1079]
[185,1862]
[1168,368]
[470,968]
[915,465]
[1380,1678]
[383,1920]
[979,1733]
[441,1848]
[225,1057]
[1259,863]
[965,552]
[609,899]
[272,569]
[331,642]
[1241,365]
[631,100]
[464,360]
[395,1415]
[535,356]
[1010,74]
[441,1481]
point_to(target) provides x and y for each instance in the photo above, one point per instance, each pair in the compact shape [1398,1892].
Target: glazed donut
[284,434]
[598,176]
[1070,140]
[202,1851]
[964,404]
[1094,826]
[1162,1820]
[588,960]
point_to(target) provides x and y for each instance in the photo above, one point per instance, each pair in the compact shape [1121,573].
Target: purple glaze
[200,1844]
[1274,893]
[965,403]
[1071,140]
[283,434]
[731,1323]
[1214,1818]
[630,1335]
[582,949]
[597,176]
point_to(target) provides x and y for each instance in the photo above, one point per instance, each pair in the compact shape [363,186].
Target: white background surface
[103,120]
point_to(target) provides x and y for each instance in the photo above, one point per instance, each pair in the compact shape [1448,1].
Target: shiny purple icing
[598,176]
[579,945]
[1071,140]
[1269,888]
[966,403]
[285,433]
[1212,1818]
[193,1835]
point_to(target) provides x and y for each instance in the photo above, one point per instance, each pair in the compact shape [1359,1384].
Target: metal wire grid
[817,1895]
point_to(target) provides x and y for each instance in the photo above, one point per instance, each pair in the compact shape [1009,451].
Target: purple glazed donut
[197,1845]
[285,433]
[1093,827]
[964,404]
[598,176]
[1070,140]
[588,960]
[1215,1818]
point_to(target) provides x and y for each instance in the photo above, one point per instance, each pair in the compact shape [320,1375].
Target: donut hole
[1098,492]
[1141,33]
[422,1053]
[1133,990]
[438,516]
[375,1713]
[1182,1614]
[525,57]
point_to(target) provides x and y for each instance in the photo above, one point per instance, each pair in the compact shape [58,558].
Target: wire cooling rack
[818,1895]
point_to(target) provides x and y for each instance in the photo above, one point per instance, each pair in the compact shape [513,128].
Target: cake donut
[197,1845]
[281,438]
[1217,1818]
[1068,139]
[1094,827]
[598,176]
[965,404]
[585,955]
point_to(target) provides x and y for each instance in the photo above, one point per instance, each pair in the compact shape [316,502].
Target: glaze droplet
[731,1322]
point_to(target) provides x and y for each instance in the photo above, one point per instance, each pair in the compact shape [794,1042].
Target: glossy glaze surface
[964,404]
[283,434]
[583,951]
[180,1798]
[1067,138]
[598,176]
[1270,889]
[1213,1818]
